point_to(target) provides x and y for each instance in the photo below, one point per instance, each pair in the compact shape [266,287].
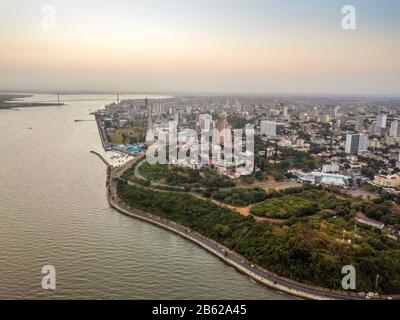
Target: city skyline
[256,47]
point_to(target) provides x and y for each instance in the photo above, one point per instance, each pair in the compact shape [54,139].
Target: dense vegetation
[241,197]
[382,209]
[237,122]
[154,172]
[178,176]
[306,249]
[300,203]
[132,135]
[285,207]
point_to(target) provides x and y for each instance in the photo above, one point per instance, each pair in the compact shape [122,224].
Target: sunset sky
[204,46]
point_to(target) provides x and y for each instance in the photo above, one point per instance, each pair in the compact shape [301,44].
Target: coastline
[233,259]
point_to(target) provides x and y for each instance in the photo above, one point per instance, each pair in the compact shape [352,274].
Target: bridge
[58,100]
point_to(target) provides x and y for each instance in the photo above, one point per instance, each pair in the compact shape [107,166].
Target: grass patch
[241,197]
[127,135]
[295,203]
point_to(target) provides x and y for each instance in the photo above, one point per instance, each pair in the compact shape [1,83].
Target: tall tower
[285,111]
[395,129]
[352,143]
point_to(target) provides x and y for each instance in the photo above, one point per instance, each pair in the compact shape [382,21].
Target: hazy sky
[239,46]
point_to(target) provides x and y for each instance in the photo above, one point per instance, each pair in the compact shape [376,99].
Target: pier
[102,158]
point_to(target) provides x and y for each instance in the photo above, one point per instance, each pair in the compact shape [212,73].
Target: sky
[201,46]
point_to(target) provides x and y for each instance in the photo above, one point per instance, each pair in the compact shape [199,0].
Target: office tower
[268,128]
[352,143]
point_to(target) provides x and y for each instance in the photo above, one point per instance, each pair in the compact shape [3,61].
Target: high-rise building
[352,143]
[380,124]
[381,120]
[363,143]
[285,111]
[395,129]
[268,128]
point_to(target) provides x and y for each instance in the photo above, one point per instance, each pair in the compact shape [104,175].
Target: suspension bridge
[58,98]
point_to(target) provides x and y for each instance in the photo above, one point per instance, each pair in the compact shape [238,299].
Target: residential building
[388,181]
[352,143]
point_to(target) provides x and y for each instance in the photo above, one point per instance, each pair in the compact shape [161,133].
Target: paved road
[237,261]
[240,263]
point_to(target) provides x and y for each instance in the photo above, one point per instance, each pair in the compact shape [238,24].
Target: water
[53,210]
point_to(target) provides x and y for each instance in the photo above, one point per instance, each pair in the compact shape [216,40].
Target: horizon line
[201,93]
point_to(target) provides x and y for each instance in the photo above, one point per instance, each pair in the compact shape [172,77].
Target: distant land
[7,101]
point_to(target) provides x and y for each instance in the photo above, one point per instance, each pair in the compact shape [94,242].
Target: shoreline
[233,259]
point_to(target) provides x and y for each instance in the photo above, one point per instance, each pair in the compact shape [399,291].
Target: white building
[352,143]
[328,179]
[268,128]
[381,120]
[363,143]
[327,168]
[380,124]
[394,129]
[285,112]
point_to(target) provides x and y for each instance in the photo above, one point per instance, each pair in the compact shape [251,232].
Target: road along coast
[231,258]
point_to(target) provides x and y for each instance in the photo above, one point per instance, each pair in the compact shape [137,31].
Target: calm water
[53,210]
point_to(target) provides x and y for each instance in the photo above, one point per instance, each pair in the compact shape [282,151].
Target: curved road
[235,260]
